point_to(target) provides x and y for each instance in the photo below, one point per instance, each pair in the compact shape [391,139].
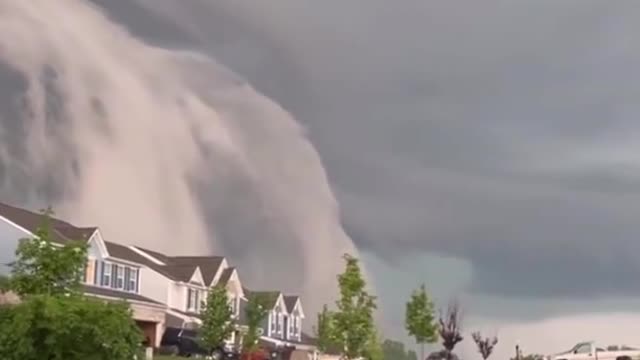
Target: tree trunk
[422,351]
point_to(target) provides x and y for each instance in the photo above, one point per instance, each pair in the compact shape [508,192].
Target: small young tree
[450,329]
[420,319]
[217,325]
[485,345]
[324,330]
[256,311]
[374,350]
[42,267]
[353,321]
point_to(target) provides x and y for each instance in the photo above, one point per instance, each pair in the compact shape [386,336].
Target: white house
[118,277]
[163,291]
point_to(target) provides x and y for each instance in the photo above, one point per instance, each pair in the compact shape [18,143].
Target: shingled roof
[271,297]
[61,231]
[179,268]
[290,302]
[226,275]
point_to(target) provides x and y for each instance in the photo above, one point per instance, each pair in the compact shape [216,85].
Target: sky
[487,149]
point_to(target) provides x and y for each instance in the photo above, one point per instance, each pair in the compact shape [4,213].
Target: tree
[256,311]
[374,349]
[4,283]
[353,321]
[450,328]
[43,267]
[324,330]
[420,319]
[68,328]
[485,345]
[217,325]
[393,350]
[53,320]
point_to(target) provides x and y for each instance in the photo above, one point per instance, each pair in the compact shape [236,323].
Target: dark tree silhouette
[450,329]
[485,345]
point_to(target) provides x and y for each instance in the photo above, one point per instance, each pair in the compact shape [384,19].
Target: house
[282,327]
[163,291]
[182,282]
[113,272]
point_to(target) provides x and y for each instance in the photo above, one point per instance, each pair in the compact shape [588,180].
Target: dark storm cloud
[501,132]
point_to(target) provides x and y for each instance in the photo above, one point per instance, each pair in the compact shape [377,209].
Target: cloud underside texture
[503,134]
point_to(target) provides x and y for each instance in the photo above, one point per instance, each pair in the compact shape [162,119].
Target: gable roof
[178,268]
[209,265]
[61,231]
[226,275]
[271,297]
[290,302]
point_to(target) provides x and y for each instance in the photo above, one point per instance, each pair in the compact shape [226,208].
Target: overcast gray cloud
[500,132]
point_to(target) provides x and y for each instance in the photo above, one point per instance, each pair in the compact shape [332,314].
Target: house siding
[9,237]
[154,285]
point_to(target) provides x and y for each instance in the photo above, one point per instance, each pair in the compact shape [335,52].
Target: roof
[226,275]
[290,302]
[271,297]
[61,231]
[100,291]
[124,253]
[178,268]
[209,265]
[180,272]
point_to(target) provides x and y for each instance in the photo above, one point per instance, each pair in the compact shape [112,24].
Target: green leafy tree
[353,320]
[53,321]
[43,267]
[324,331]
[256,311]
[393,350]
[374,350]
[420,319]
[411,355]
[5,283]
[67,328]
[217,324]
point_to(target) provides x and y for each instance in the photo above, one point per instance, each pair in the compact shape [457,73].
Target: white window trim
[105,268]
[120,277]
[134,280]
[104,274]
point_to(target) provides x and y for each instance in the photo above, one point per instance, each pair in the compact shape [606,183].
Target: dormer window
[193,300]
[274,322]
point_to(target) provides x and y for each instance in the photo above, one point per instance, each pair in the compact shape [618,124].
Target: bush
[67,328]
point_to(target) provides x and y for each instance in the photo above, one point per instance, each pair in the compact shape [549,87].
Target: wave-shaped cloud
[160,147]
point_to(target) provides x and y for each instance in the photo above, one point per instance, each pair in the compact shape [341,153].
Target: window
[106,274]
[117,277]
[296,326]
[233,304]
[291,324]
[120,277]
[133,280]
[280,323]
[583,348]
[274,321]
[193,299]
